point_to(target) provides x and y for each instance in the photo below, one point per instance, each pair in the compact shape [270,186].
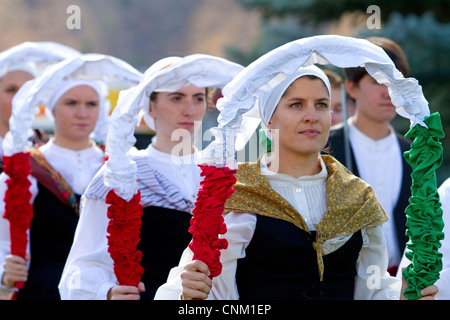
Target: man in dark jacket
[370,147]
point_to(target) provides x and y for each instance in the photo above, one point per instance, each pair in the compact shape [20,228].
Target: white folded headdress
[168,74]
[37,92]
[101,88]
[245,98]
[33,57]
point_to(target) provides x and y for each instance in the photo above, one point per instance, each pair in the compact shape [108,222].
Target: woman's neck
[72,145]
[176,148]
[295,165]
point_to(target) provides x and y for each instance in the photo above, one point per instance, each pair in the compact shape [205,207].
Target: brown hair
[335,79]
[393,50]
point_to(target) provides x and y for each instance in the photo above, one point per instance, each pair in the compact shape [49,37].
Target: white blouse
[308,193]
[380,165]
[76,167]
[88,273]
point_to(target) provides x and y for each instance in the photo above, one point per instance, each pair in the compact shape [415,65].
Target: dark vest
[164,236]
[281,264]
[336,147]
[51,236]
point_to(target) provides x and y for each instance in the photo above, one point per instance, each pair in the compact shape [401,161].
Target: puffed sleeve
[373,282]
[88,273]
[240,229]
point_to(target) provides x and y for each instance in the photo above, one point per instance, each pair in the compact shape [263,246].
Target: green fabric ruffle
[424,214]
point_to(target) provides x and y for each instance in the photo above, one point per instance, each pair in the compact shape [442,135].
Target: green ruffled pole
[424,214]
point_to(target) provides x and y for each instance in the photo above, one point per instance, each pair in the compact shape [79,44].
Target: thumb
[141,287]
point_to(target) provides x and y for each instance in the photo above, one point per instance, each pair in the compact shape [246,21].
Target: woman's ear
[151,110]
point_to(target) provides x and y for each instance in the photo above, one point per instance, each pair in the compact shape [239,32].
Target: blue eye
[296,105]
[322,106]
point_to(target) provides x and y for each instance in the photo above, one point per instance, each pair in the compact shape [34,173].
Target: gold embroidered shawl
[351,203]
[52,180]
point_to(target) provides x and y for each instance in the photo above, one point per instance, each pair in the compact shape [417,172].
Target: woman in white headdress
[75,95]
[173,96]
[22,63]
[300,226]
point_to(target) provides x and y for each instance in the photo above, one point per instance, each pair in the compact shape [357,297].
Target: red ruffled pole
[208,223]
[124,228]
[18,209]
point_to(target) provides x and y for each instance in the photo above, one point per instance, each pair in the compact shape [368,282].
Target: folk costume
[315,237]
[159,188]
[58,175]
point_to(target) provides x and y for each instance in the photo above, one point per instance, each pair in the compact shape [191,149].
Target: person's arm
[189,280]
[89,272]
[373,282]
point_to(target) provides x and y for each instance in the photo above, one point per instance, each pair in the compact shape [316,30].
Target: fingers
[195,281]
[198,265]
[126,292]
[16,270]
[141,287]
[429,293]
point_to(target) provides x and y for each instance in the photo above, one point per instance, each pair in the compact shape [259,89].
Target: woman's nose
[385,92]
[310,113]
[188,109]
[82,110]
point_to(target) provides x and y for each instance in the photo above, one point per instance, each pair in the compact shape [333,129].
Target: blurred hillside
[138,31]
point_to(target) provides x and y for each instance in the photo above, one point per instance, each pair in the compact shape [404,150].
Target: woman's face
[178,110]
[9,85]
[302,118]
[76,114]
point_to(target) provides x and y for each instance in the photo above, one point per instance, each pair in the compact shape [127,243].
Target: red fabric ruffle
[124,229]
[208,223]
[18,209]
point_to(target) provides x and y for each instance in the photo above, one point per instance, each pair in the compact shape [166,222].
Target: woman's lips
[186,124]
[311,133]
[81,125]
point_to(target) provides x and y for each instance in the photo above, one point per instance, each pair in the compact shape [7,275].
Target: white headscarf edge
[32,56]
